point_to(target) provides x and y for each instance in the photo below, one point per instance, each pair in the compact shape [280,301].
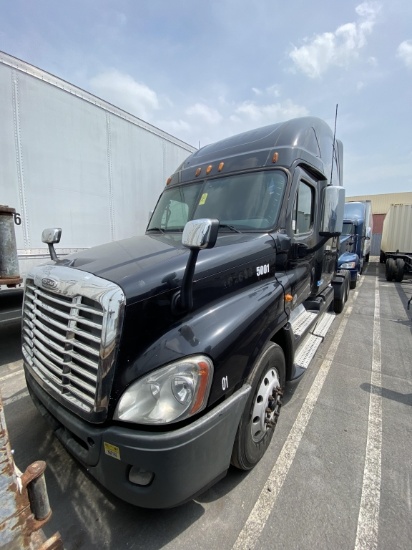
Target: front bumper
[184,461]
[352,272]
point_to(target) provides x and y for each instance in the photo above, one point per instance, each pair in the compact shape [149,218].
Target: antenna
[333,146]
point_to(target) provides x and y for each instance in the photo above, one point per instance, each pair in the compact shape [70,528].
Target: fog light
[138,476]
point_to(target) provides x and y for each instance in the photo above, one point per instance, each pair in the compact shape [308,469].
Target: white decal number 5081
[262,270]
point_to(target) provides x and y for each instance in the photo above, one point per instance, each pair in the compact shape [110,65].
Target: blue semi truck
[355,240]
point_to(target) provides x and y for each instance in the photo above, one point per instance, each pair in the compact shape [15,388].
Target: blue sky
[204,70]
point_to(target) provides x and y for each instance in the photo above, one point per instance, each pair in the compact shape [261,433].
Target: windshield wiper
[155,229]
[231,227]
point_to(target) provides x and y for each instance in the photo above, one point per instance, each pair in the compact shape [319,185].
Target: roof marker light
[198,171]
[209,169]
[220,167]
[275,157]
[168,180]
[288,298]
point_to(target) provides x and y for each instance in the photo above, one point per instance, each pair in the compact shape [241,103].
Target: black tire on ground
[353,284]
[382,257]
[347,288]
[340,297]
[400,268]
[367,258]
[390,269]
[257,425]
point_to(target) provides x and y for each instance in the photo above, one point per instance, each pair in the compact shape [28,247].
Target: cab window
[303,209]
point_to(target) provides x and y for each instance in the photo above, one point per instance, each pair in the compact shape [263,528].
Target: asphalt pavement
[337,475]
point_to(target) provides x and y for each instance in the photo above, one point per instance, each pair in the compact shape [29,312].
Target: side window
[303,209]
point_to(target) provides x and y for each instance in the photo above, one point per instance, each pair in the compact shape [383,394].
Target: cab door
[300,264]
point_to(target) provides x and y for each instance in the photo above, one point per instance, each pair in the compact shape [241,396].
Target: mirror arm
[318,245]
[52,252]
[185,301]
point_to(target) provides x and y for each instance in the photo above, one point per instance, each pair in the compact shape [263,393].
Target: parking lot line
[11,375]
[368,521]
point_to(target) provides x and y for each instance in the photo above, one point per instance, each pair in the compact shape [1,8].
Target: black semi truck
[161,359]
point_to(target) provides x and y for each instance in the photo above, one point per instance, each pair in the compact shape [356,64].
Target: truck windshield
[245,201]
[347,228]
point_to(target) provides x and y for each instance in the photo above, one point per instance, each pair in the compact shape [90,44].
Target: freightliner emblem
[48,283]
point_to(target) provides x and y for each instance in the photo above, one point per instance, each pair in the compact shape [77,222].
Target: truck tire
[382,257]
[367,258]
[341,294]
[400,268]
[261,412]
[390,269]
[353,284]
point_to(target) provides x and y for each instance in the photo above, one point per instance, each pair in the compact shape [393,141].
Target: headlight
[168,394]
[348,265]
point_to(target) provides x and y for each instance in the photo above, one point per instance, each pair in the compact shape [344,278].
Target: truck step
[307,350]
[325,322]
[310,344]
[302,321]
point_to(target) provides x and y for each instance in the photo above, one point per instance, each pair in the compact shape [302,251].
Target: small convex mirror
[51,235]
[200,234]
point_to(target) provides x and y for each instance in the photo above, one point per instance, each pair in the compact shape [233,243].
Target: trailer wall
[397,229]
[71,160]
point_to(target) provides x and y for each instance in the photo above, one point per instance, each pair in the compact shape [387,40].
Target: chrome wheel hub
[266,405]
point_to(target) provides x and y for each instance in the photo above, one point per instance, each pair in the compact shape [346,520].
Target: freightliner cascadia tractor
[160,360]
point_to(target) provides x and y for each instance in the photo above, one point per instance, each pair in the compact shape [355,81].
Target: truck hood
[148,265]
[348,257]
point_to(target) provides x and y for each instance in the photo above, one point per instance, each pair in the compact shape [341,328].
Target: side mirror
[200,234]
[197,235]
[332,211]
[50,236]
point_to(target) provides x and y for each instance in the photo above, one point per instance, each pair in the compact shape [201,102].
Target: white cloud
[336,48]
[175,127]
[206,113]
[273,90]
[404,52]
[267,114]
[122,90]
[257,91]
[121,18]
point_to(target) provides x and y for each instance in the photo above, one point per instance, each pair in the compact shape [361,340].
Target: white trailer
[396,245]
[72,160]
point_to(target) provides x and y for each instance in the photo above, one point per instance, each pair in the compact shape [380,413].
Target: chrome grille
[66,336]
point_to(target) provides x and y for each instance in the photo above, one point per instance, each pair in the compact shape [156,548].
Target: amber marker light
[204,377]
[275,157]
[168,181]
[198,172]
[220,167]
[288,298]
[209,169]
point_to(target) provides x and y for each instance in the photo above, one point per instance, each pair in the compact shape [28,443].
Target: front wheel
[259,418]
[341,295]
